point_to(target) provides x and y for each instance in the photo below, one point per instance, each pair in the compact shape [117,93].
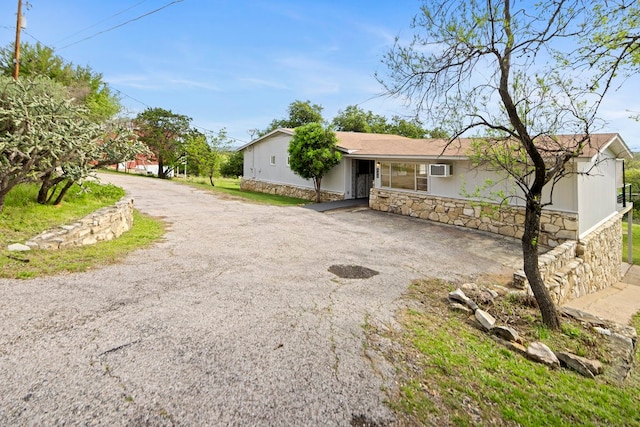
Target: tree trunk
[531,269]
[45,186]
[2,196]
[64,190]
[316,183]
[161,173]
[211,180]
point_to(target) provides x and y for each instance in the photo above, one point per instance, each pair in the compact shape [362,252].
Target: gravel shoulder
[234,319]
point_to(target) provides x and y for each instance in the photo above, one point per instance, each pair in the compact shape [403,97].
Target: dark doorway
[363,174]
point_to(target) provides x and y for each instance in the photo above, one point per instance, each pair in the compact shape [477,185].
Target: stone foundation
[571,269]
[578,268]
[104,224]
[288,190]
[556,227]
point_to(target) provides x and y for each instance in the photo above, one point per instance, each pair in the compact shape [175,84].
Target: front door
[363,179]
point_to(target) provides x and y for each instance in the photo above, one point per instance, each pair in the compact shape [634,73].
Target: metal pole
[16,69]
[630,236]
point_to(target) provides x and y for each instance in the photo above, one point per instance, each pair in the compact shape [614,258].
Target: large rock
[582,316]
[456,306]
[539,352]
[513,346]
[585,367]
[486,320]
[506,333]
[459,296]
[622,345]
[18,247]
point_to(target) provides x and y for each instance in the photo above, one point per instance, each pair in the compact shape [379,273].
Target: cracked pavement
[233,319]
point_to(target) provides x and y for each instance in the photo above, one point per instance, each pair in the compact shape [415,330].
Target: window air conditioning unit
[440,170]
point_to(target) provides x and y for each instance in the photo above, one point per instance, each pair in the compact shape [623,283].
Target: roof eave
[355,155]
[617,145]
[285,131]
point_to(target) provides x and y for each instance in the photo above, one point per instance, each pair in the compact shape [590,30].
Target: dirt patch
[352,271]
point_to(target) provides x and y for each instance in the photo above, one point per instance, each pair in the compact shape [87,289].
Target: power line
[33,37]
[117,26]
[122,24]
[193,125]
[100,22]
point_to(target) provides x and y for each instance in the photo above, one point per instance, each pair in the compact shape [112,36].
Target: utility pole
[16,59]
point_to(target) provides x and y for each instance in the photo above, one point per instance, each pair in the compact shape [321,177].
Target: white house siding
[465,179]
[597,177]
[257,166]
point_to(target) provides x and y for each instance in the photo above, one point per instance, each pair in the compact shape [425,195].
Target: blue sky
[238,64]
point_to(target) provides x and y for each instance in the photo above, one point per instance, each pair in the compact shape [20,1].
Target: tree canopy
[83,84]
[47,138]
[233,166]
[495,68]
[165,133]
[206,152]
[299,113]
[312,153]
[355,119]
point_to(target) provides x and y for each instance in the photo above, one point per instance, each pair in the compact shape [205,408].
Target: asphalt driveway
[233,319]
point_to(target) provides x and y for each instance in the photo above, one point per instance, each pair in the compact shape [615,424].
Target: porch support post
[630,235]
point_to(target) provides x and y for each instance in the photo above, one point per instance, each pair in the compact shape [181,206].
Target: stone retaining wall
[556,227]
[571,269]
[104,224]
[288,190]
[578,268]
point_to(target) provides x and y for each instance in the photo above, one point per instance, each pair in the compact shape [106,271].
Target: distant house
[430,180]
[143,165]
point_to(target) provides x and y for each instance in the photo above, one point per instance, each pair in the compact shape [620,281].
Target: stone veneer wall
[578,268]
[288,190]
[556,227]
[573,267]
[104,224]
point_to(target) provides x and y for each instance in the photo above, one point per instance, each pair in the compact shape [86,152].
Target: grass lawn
[231,187]
[451,373]
[23,218]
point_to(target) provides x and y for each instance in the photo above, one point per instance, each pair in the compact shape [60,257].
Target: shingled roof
[389,146]
[374,145]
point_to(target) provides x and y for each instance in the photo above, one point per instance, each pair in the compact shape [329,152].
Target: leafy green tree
[233,165]
[82,83]
[299,113]
[40,128]
[355,119]
[612,46]
[485,67]
[206,152]
[409,128]
[164,132]
[312,153]
[115,143]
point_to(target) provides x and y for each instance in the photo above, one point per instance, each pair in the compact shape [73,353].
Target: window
[385,173]
[272,161]
[288,160]
[422,177]
[404,176]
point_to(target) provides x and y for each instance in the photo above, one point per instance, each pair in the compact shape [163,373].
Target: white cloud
[263,82]
[154,81]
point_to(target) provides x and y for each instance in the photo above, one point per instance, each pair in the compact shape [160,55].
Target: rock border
[104,224]
[622,339]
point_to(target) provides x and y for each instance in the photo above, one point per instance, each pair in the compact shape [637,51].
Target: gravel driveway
[234,319]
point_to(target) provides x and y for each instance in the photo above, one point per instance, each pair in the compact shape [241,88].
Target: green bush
[233,166]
